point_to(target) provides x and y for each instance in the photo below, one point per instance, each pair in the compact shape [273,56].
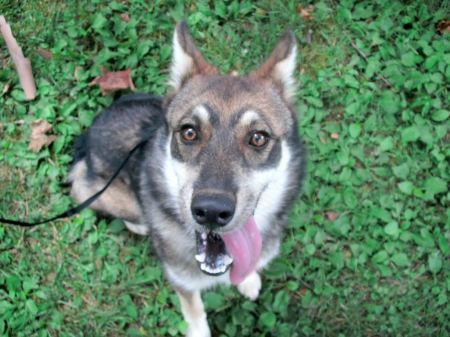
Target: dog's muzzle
[212,211]
[217,250]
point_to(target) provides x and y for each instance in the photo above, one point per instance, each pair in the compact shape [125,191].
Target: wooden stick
[360,52]
[23,65]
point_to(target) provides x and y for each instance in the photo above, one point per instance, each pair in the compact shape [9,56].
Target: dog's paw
[201,329]
[251,286]
[137,229]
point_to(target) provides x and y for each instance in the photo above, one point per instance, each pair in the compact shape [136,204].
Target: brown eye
[259,139]
[188,133]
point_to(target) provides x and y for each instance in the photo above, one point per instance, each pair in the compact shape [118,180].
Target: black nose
[212,210]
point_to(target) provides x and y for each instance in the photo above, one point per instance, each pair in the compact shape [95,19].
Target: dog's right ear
[187,61]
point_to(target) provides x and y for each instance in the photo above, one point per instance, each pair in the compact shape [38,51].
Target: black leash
[79,208]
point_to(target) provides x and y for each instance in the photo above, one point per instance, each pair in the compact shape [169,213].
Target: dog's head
[228,153]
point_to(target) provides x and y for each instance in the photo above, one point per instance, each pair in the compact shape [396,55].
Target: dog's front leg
[251,286]
[193,313]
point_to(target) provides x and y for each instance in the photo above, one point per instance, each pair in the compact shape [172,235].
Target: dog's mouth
[239,250]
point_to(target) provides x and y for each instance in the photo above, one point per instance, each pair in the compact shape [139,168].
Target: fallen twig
[360,52]
[23,65]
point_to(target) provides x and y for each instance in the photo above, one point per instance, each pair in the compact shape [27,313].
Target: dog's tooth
[201,257]
[203,266]
[204,236]
[227,260]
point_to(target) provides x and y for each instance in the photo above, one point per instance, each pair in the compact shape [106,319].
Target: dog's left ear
[280,66]
[187,61]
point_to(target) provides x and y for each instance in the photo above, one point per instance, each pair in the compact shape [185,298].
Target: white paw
[201,329]
[137,229]
[251,286]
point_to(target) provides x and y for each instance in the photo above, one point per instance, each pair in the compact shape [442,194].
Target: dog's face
[228,141]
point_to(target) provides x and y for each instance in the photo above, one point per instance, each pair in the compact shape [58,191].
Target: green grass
[381,268]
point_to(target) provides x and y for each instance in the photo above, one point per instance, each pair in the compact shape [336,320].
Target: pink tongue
[244,246]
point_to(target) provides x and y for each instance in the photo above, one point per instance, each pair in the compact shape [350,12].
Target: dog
[219,168]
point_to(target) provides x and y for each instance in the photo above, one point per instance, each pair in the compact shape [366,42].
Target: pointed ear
[187,61]
[280,66]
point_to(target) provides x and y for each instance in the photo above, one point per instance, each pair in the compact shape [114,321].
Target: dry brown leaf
[23,65]
[125,17]
[5,88]
[334,136]
[44,53]
[323,141]
[332,215]
[75,73]
[112,81]
[38,138]
[444,26]
[305,12]
[302,291]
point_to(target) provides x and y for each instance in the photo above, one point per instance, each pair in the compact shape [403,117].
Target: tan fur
[117,200]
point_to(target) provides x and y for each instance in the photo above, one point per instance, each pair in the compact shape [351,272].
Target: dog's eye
[189,133]
[259,139]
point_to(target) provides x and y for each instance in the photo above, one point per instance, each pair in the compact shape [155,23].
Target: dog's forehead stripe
[248,117]
[202,113]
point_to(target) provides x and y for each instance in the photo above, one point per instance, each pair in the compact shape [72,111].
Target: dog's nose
[212,210]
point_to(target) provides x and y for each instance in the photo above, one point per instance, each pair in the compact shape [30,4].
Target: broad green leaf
[214,300]
[443,245]
[431,61]
[387,144]
[165,51]
[437,78]
[381,213]
[400,260]
[336,259]
[132,311]
[435,264]
[351,81]
[353,108]
[355,130]
[267,320]
[349,198]
[435,185]
[281,301]
[408,59]
[401,171]
[380,257]
[19,95]
[390,101]
[98,21]
[440,115]
[221,9]
[392,228]
[314,101]
[5,306]
[410,134]
[406,187]
[342,223]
